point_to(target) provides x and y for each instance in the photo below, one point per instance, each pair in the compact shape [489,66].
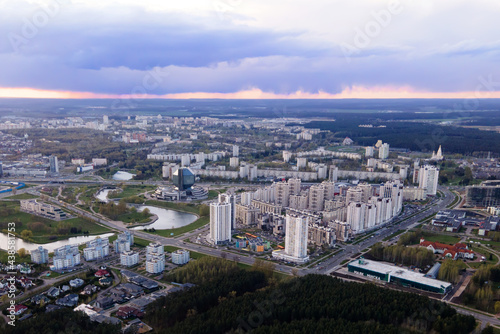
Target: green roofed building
[398,276]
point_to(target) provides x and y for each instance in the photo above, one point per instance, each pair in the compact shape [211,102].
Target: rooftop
[384,268]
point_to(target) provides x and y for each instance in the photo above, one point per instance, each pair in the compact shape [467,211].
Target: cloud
[268,46]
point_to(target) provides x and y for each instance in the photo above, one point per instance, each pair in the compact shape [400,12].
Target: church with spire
[437,156]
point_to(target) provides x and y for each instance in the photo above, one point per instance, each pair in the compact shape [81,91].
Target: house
[18,309]
[70,300]
[76,283]
[102,273]
[125,312]
[132,289]
[144,282]
[65,288]
[89,289]
[459,250]
[104,302]
[141,303]
[53,292]
[105,281]
[39,298]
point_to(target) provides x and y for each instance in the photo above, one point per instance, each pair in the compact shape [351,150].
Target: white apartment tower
[383,151]
[220,223]
[295,240]
[428,179]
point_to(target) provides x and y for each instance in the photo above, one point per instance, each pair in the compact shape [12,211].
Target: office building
[295,240]
[180,256]
[220,222]
[42,209]
[40,255]
[129,258]
[54,165]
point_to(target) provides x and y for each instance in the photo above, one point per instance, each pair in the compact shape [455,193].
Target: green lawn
[22,196]
[442,238]
[134,217]
[171,249]
[4,257]
[131,190]
[212,194]
[46,230]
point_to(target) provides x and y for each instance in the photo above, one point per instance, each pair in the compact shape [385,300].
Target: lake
[167,219]
[123,176]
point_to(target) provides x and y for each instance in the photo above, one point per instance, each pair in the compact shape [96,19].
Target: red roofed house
[18,309]
[126,311]
[459,250]
[101,273]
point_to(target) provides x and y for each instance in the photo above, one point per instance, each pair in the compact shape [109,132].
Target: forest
[409,256]
[238,303]
[415,136]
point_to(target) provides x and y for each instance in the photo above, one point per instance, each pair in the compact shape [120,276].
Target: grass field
[22,196]
[442,238]
[129,191]
[4,257]
[48,230]
[134,217]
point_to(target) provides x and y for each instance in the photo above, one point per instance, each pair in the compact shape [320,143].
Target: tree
[26,234]
[21,252]
[204,210]
[146,212]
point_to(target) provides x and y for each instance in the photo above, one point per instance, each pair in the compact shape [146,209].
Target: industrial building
[398,276]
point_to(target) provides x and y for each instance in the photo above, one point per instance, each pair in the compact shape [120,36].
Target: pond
[167,219]
[103,195]
[123,176]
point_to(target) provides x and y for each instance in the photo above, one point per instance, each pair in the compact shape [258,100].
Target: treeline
[113,210]
[310,304]
[203,270]
[64,321]
[411,135]
[450,270]
[408,256]
[410,238]
[482,291]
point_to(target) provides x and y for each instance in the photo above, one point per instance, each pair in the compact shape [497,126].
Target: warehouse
[399,276]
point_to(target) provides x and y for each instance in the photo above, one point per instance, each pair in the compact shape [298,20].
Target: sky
[250,49]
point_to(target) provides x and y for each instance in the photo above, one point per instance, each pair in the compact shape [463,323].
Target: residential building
[40,255]
[66,257]
[180,256]
[295,240]
[428,179]
[96,249]
[123,242]
[54,165]
[383,151]
[220,222]
[129,258]
[43,209]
